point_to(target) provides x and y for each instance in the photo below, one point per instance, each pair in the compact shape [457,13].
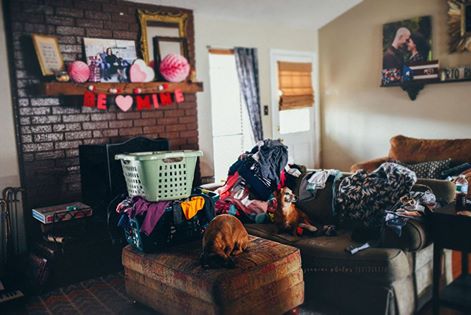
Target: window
[232,134]
[295,85]
[296,96]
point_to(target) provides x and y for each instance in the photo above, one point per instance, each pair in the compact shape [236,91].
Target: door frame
[275,55]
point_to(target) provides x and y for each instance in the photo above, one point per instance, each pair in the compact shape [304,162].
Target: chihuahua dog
[287,216]
[224,238]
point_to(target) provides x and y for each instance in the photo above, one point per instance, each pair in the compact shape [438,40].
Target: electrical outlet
[265,110]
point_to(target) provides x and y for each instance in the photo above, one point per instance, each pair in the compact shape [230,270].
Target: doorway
[296,127]
[232,134]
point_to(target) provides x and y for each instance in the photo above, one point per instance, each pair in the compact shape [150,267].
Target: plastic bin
[161,175]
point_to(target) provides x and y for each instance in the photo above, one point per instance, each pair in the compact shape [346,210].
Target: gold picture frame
[459,25]
[48,53]
[161,17]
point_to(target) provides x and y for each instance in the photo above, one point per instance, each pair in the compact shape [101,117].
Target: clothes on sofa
[363,197]
[409,208]
[261,168]
[252,180]
[242,206]
[318,179]
[272,156]
[260,186]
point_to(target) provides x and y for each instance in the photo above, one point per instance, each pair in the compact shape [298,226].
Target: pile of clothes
[364,197]
[252,180]
[149,226]
[152,212]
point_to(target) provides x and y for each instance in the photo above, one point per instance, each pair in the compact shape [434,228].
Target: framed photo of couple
[407,47]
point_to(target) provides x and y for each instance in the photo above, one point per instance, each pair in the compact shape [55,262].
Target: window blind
[295,85]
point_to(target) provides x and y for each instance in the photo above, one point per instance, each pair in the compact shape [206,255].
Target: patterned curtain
[247,71]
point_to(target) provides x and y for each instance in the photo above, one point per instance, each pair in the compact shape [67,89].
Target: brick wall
[51,129]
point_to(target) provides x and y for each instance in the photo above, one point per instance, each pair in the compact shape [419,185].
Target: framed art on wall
[159,23]
[405,43]
[114,57]
[48,53]
[459,25]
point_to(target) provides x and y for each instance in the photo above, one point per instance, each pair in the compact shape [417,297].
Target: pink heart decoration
[140,72]
[124,102]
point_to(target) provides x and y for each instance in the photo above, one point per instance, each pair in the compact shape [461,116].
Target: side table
[451,231]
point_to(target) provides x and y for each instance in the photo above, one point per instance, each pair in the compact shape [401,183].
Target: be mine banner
[125,102]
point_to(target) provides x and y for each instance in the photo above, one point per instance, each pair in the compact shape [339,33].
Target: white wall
[224,33]
[218,33]
[359,117]
[9,174]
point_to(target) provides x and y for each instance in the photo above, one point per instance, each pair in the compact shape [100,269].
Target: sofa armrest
[415,236]
[370,165]
[444,190]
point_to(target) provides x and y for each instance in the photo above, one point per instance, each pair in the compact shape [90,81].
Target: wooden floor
[78,298]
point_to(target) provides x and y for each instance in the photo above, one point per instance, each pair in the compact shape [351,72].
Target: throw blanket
[363,197]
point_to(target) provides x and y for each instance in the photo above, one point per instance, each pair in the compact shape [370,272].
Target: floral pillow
[430,169]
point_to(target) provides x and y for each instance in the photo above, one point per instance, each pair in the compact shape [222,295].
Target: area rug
[103,295]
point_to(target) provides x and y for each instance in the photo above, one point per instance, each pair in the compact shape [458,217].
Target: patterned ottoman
[268,279]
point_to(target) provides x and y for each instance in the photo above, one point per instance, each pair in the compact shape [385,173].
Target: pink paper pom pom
[174,68]
[79,71]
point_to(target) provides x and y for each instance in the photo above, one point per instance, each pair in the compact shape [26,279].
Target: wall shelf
[68,88]
[414,87]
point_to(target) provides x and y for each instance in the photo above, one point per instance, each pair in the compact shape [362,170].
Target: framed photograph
[159,29]
[159,23]
[114,57]
[48,52]
[168,45]
[405,43]
[459,25]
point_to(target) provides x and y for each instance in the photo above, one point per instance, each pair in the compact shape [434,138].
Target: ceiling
[311,14]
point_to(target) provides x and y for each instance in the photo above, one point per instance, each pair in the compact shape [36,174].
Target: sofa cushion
[407,149]
[326,254]
[429,169]
[317,205]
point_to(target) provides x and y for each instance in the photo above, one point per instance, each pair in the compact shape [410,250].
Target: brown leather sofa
[394,278]
[413,150]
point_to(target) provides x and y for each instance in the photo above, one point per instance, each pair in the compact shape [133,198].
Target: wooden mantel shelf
[67,89]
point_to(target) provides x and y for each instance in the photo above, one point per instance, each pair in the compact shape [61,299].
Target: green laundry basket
[161,175]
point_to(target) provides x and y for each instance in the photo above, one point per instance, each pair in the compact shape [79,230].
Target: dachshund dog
[224,238]
[287,216]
